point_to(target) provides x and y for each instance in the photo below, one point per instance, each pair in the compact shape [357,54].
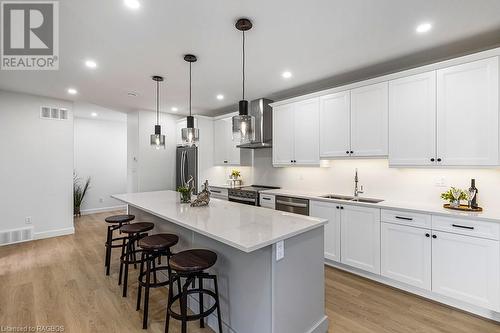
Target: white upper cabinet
[225,150]
[334,126]
[296,133]
[412,120]
[369,120]
[306,136]
[467,113]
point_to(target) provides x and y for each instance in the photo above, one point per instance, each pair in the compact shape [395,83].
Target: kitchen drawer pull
[215,191]
[404,218]
[264,198]
[291,204]
[462,226]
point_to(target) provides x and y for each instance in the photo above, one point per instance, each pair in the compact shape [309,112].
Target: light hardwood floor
[61,281]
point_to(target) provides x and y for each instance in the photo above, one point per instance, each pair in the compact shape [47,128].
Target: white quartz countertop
[488,214]
[247,228]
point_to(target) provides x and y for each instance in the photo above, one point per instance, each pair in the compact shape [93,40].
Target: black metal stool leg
[169,300]
[124,244]
[153,262]
[139,291]
[217,302]
[107,259]
[183,305]
[128,257]
[200,299]
[149,259]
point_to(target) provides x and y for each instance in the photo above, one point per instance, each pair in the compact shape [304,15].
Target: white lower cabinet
[406,254]
[360,237]
[466,268]
[331,212]
[267,200]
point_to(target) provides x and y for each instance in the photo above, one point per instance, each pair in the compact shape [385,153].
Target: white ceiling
[322,42]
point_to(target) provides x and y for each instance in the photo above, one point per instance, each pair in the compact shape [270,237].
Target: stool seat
[119,218]
[195,260]
[134,228]
[158,242]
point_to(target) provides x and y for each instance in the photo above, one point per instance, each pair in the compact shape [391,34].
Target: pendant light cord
[243,65]
[190,89]
[157,103]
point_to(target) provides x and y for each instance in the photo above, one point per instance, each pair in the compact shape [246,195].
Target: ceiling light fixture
[90,64]
[423,27]
[190,134]
[132,94]
[286,74]
[72,91]
[220,97]
[243,123]
[174,109]
[132,4]
[157,139]
[94,114]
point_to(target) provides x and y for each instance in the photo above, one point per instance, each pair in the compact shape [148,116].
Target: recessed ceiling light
[286,74]
[174,109]
[72,91]
[220,97]
[132,94]
[423,27]
[94,114]
[90,64]
[132,4]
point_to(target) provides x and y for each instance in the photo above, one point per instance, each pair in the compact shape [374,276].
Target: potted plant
[185,192]
[79,192]
[235,174]
[453,196]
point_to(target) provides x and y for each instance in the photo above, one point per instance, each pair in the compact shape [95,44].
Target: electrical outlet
[27,219]
[101,200]
[440,182]
[280,250]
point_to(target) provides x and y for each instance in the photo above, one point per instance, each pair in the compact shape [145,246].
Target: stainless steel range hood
[263,114]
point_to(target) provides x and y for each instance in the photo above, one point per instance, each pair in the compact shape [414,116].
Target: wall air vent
[47,112]
[16,236]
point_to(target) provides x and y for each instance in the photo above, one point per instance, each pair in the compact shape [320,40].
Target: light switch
[280,250]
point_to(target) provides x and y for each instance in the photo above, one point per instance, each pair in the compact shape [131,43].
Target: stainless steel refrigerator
[186,166]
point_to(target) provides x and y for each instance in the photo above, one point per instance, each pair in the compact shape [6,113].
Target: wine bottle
[472,188]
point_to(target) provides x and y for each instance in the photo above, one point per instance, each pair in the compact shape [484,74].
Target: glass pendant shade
[190,135]
[157,139]
[243,129]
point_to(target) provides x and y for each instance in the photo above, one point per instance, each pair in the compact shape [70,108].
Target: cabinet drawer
[267,200]
[218,192]
[489,230]
[406,218]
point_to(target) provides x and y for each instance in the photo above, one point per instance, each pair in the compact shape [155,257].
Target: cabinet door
[466,268]
[412,120]
[360,237]
[406,254]
[220,144]
[306,129]
[334,125]
[283,135]
[467,109]
[329,211]
[369,118]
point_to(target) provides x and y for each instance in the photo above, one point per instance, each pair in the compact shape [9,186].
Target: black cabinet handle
[433,159]
[434,236]
[225,161]
[462,226]
[347,152]
[264,198]
[352,152]
[214,191]
[341,207]
[439,160]
[404,218]
[337,207]
[427,235]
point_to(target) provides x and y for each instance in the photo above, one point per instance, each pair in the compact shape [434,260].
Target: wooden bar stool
[191,265]
[134,231]
[153,247]
[116,222]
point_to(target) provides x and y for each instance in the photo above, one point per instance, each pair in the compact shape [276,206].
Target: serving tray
[463,208]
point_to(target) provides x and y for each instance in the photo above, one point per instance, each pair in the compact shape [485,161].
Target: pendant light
[190,134]
[243,123]
[157,139]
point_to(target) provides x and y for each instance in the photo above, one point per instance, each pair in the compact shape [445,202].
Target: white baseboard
[54,233]
[102,210]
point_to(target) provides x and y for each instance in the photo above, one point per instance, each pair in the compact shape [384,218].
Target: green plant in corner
[79,192]
[185,192]
[448,195]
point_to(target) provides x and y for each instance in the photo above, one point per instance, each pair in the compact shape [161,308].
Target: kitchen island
[258,292]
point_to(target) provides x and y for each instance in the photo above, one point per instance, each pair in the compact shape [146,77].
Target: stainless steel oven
[292,205]
[248,195]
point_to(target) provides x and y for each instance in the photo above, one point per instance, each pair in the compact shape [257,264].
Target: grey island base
[259,294]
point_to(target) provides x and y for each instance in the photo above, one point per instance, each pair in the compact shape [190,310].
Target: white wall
[36,165]
[149,169]
[101,154]
[378,179]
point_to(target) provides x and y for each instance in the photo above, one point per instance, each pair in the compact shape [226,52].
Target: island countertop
[247,228]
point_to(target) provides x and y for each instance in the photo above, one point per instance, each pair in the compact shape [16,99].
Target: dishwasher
[292,205]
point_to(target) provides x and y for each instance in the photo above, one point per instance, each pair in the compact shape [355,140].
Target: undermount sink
[351,198]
